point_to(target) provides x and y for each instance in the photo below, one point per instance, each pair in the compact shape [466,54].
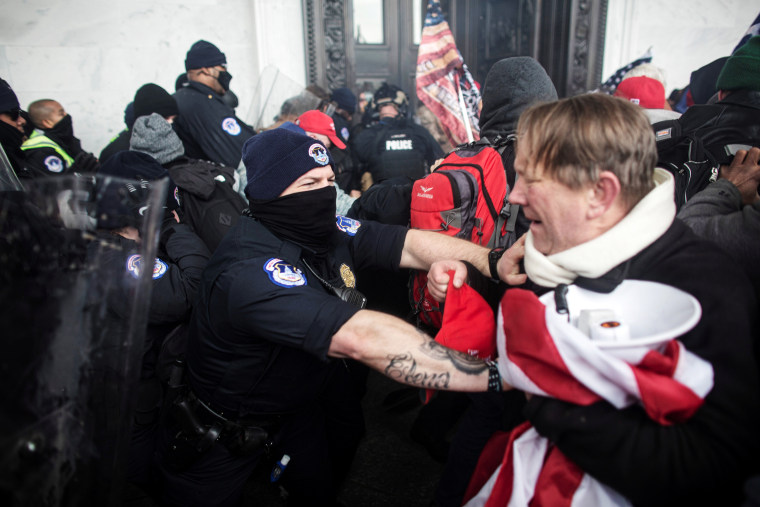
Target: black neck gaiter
[304,218]
[63,133]
[11,139]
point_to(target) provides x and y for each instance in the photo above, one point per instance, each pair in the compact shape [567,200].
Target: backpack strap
[507,218]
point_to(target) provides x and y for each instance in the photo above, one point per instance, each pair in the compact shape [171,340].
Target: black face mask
[304,218]
[63,131]
[11,139]
[224,79]
[64,127]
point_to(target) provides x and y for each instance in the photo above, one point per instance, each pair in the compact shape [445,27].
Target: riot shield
[70,364]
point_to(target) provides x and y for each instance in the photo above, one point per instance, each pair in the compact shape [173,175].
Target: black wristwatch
[493,259]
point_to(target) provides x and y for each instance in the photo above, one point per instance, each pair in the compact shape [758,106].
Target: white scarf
[646,222]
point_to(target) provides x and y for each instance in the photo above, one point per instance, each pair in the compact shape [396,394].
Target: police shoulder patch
[54,164]
[283,274]
[344,132]
[231,126]
[347,225]
[135,262]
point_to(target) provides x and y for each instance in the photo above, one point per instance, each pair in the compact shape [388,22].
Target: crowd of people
[264,318]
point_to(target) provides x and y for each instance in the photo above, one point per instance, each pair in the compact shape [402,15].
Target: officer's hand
[744,172]
[85,163]
[509,264]
[439,275]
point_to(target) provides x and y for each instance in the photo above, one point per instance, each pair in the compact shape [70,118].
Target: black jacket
[212,124]
[705,460]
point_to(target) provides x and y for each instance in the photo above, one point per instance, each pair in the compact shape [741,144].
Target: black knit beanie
[151,98]
[204,54]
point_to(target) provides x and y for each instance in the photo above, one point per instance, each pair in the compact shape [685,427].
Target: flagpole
[463,108]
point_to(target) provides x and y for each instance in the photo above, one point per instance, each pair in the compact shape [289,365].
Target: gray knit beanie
[154,135]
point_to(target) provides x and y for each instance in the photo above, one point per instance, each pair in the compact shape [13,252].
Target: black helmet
[390,94]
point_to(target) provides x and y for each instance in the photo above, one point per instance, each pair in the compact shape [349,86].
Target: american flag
[444,84]
[612,83]
[754,29]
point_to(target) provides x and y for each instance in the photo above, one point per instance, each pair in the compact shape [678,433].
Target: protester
[601,214]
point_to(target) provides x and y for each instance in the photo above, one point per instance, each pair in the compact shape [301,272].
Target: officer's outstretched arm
[423,248]
[401,352]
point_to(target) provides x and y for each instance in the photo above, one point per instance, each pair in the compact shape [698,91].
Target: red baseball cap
[646,92]
[319,123]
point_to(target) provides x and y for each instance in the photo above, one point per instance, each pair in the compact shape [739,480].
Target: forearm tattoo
[403,367]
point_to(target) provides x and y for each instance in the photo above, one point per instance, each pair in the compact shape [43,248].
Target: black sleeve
[378,246]
[709,455]
[174,293]
[386,202]
[41,162]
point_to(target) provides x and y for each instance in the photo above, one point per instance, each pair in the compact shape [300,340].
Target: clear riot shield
[278,98]
[70,364]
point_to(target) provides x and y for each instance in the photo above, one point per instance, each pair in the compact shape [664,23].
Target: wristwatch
[493,259]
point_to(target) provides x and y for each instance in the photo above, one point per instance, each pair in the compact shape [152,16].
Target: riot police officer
[395,146]
[277,315]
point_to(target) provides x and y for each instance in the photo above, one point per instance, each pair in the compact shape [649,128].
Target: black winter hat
[204,54]
[276,158]
[511,86]
[345,99]
[134,165]
[8,99]
[151,98]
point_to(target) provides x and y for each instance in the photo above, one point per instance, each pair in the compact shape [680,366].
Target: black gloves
[85,163]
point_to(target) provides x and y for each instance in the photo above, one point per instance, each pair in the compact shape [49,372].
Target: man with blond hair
[602,213]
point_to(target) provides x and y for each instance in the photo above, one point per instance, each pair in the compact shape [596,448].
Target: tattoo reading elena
[403,367]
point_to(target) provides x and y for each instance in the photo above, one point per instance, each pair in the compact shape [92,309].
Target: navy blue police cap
[276,158]
[8,99]
[204,54]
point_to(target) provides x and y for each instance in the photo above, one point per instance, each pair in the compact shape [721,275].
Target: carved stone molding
[335,44]
[586,46]
[325,27]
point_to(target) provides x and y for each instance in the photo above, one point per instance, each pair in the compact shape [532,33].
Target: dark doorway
[384,42]
[361,43]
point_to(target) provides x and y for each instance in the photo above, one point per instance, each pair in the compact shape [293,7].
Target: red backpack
[465,197]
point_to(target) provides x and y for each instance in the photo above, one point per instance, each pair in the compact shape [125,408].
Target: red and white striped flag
[444,84]
[541,353]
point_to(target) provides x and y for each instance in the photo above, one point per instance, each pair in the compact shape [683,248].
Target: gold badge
[347,276]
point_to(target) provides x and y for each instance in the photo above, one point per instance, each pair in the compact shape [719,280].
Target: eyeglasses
[13,113]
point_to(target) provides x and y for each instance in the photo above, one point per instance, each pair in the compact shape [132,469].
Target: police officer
[395,146]
[204,117]
[177,268]
[12,125]
[52,149]
[277,311]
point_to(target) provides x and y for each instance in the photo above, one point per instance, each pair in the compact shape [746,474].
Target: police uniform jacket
[397,147]
[211,124]
[263,324]
[51,157]
[176,274]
